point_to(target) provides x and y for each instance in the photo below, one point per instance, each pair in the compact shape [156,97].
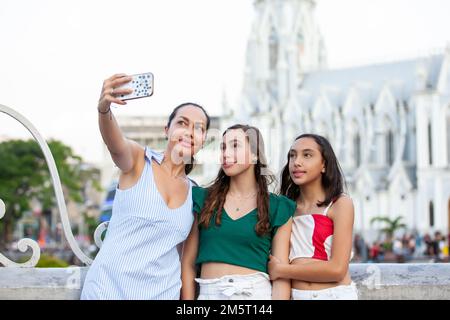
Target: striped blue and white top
[139,257]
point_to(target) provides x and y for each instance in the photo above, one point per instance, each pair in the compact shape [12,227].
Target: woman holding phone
[152,210]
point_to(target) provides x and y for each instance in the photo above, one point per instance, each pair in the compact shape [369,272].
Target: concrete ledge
[41,283]
[374,282]
[402,281]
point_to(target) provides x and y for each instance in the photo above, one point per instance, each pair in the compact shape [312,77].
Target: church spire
[284,45]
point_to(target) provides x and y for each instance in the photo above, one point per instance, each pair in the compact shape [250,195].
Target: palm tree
[392,225]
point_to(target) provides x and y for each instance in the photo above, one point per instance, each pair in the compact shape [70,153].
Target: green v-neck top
[236,241]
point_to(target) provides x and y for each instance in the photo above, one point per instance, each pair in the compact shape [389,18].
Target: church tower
[284,45]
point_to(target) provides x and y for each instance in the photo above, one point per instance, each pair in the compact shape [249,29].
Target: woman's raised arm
[123,152]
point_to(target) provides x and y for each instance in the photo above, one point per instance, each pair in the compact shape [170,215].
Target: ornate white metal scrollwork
[98,233]
[23,244]
[2,208]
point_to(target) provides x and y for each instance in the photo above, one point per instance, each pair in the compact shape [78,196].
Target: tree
[392,225]
[24,175]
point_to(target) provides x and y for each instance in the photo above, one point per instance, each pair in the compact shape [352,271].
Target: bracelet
[106,112]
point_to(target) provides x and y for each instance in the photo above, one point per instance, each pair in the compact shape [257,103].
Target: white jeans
[254,286]
[349,292]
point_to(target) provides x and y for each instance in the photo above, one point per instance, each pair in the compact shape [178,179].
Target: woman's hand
[273,266]
[109,91]
[125,153]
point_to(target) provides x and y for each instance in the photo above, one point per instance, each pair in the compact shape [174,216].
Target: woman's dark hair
[188,167]
[218,189]
[333,180]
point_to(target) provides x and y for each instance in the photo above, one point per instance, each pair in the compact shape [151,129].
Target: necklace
[168,172]
[237,209]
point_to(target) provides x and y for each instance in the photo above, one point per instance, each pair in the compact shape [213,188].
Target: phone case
[142,85]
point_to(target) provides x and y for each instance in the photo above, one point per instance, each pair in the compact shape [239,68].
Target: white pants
[349,292]
[254,286]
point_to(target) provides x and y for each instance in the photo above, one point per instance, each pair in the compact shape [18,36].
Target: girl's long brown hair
[218,190]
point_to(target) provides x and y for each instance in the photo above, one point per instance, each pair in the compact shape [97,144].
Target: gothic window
[431,214]
[390,148]
[373,150]
[407,148]
[357,149]
[273,48]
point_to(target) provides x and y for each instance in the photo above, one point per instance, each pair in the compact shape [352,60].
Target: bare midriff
[212,270]
[305,285]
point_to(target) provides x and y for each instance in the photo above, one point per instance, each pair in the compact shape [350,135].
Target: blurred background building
[389,123]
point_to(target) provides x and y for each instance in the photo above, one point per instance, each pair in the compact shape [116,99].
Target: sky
[54,55]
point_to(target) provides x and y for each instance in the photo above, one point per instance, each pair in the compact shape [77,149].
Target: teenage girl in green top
[238,224]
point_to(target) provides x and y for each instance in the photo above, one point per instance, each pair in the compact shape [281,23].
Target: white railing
[26,243]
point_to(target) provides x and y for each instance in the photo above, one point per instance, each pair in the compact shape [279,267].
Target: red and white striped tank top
[312,236]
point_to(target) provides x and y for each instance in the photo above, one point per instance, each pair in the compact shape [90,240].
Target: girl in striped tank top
[321,239]
[152,210]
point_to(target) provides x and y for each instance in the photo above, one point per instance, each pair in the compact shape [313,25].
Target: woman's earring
[323,170]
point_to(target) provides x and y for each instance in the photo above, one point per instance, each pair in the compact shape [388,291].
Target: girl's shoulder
[343,203]
[279,198]
[199,195]
[279,202]
[199,192]
[343,199]
[281,209]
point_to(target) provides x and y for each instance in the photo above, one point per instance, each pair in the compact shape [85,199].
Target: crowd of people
[407,248]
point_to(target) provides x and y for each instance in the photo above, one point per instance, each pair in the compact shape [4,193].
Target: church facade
[388,123]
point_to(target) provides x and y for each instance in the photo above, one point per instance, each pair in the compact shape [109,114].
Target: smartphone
[142,85]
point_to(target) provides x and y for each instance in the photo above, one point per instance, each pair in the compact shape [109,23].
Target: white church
[388,123]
